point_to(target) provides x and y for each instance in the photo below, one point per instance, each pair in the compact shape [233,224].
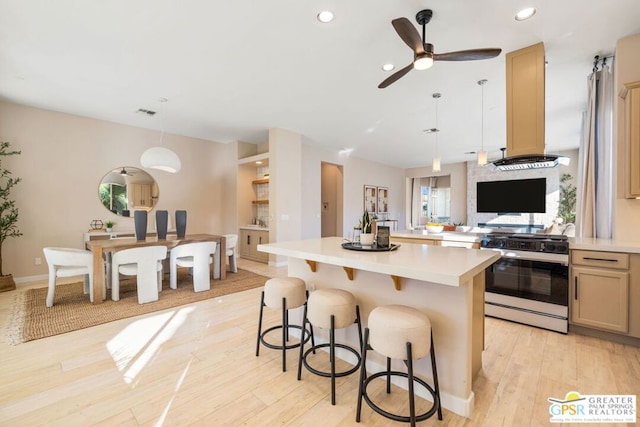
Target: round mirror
[126,189]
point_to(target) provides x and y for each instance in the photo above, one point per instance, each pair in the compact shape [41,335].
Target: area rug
[30,319]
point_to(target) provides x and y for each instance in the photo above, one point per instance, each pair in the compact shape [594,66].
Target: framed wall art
[370,199]
[383,200]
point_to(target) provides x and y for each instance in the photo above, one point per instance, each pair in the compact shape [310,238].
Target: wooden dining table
[100,247]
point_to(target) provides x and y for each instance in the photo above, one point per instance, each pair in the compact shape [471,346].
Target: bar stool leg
[285,329]
[260,324]
[332,358]
[359,327]
[304,324]
[388,375]
[363,373]
[412,403]
[436,386]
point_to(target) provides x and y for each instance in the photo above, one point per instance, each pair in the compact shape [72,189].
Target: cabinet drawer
[600,259]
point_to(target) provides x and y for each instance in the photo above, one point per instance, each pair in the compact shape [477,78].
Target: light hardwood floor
[196,365]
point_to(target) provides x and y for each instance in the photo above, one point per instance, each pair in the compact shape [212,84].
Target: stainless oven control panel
[553,244]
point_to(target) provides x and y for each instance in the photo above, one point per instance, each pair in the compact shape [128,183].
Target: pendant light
[482,155]
[436,160]
[161,158]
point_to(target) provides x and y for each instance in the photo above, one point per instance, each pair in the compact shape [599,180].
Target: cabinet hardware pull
[248,239]
[600,259]
[575,288]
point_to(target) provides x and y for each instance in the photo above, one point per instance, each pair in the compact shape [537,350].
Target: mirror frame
[137,190]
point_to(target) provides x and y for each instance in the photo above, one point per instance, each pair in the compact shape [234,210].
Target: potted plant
[366,225]
[109,225]
[8,213]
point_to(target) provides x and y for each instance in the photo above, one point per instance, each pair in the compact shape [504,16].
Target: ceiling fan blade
[467,55]
[408,34]
[395,76]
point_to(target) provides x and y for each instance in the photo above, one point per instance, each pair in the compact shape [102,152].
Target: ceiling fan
[124,172]
[423,53]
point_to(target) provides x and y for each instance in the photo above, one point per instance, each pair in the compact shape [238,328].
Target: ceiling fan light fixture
[388,67]
[525,13]
[325,16]
[423,62]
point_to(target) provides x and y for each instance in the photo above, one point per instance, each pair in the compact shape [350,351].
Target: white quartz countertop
[607,245]
[455,236]
[437,264]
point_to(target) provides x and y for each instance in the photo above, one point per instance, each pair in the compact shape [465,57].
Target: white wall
[357,173]
[63,159]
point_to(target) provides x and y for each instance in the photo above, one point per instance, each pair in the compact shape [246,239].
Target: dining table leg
[98,274]
[222,258]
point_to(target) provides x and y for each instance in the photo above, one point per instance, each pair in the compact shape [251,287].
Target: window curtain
[595,170]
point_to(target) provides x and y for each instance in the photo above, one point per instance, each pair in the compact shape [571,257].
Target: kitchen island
[446,283]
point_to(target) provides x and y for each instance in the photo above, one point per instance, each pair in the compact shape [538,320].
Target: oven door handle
[550,258]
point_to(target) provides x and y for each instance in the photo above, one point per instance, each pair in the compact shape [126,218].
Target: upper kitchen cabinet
[631,95]
[525,101]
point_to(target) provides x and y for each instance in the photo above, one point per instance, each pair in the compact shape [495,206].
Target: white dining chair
[68,262]
[197,257]
[232,250]
[145,263]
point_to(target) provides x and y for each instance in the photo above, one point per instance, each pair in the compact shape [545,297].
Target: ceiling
[231,70]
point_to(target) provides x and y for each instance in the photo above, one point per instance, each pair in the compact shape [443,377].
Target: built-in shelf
[261,181]
[260,202]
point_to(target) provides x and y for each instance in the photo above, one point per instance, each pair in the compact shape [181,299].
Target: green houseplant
[567,205]
[109,225]
[366,225]
[8,212]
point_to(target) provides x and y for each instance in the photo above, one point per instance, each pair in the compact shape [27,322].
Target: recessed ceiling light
[388,67]
[325,16]
[525,13]
[258,162]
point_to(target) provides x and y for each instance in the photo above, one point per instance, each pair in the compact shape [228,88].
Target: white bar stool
[399,332]
[331,309]
[283,293]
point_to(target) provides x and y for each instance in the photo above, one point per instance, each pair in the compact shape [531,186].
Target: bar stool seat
[283,293]
[404,333]
[331,309]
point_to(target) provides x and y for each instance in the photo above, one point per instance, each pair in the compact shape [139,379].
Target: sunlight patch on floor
[133,347]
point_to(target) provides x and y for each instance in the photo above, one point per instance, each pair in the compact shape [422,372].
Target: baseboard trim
[609,336]
[29,279]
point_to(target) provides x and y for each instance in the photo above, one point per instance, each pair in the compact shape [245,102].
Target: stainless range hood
[530,161]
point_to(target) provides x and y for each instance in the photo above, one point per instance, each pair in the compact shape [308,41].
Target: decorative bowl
[434,228]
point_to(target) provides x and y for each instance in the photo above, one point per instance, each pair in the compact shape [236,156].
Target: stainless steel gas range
[530,283]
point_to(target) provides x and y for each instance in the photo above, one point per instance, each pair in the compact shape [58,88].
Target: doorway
[331,196]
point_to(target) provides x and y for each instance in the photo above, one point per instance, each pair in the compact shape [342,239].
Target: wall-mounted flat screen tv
[512,196]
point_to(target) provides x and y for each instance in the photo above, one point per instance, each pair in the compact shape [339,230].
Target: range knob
[550,247]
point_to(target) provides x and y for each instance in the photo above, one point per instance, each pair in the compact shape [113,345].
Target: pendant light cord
[162,101]
[437,97]
[482,121]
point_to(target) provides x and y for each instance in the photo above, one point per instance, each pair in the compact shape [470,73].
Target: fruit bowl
[434,228]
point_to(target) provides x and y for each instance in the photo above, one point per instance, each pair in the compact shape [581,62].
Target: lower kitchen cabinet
[248,245]
[600,290]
